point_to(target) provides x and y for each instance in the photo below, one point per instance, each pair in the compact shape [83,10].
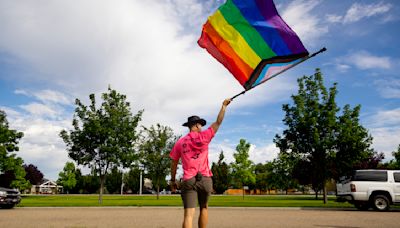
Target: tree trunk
[325,194]
[158,191]
[102,181]
[243,191]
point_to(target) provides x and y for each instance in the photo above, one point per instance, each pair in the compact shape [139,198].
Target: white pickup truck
[370,188]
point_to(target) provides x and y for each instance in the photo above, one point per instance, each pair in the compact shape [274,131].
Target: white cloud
[41,144]
[53,97]
[190,12]
[364,60]
[300,17]
[359,11]
[21,92]
[389,88]
[134,46]
[264,153]
[46,96]
[386,140]
[342,67]
[385,118]
[333,18]
[384,126]
[257,154]
[216,148]
[389,18]
[41,124]
[9,112]
[37,109]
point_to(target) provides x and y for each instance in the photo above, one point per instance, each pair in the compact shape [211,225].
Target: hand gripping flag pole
[280,72]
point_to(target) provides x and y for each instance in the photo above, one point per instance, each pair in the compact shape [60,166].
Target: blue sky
[52,52]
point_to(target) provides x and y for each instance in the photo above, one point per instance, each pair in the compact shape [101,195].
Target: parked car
[370,188]
[165,192]
[9,198]
[148,191]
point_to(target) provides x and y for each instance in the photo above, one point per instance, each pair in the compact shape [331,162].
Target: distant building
[147,183]
[47,187]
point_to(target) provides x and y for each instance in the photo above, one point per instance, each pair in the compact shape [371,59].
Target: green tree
[33,174]
[85,184]
[114,181]
[66,178]
[10,165]
[317,136]
[242,168]
[282,169]
[262,172]
[352,143]
[78,188]
[132,179]
[301,172]
[156,144]
[395,163]
[90,183]
[373,161]
[221,178]
[396,155]
[103,137]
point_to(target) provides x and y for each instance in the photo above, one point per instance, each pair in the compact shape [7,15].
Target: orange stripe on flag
[231,60]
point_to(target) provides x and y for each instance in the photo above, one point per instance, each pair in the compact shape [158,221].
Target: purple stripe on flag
[268,10]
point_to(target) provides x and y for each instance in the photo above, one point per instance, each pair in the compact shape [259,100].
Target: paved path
[79,217]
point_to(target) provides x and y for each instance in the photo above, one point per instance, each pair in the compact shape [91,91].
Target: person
[192,149]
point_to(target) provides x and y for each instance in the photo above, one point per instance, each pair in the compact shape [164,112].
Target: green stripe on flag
[234,17]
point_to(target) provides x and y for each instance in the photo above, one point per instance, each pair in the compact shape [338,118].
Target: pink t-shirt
[193,150]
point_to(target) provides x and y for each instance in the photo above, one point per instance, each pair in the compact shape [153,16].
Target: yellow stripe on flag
[235,40]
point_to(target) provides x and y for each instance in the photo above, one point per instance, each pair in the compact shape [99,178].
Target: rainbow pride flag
[251,40]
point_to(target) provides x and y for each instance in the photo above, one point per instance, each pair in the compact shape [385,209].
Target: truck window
[396,177]
[370,176]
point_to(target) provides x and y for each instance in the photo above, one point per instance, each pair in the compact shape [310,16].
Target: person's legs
[188,217]
[189,198]
[204,191]
[203,218]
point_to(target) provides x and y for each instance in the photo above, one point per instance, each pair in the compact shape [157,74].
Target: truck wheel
[362,206]
[381,203]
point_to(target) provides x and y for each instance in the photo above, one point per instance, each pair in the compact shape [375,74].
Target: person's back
[192,149]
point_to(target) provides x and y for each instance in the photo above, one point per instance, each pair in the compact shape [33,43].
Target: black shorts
[193,191]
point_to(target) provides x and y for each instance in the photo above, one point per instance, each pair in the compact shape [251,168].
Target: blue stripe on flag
[268,32]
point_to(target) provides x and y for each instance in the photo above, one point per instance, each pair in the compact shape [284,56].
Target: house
[47,187]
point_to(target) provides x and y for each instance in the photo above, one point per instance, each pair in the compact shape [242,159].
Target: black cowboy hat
[193,120]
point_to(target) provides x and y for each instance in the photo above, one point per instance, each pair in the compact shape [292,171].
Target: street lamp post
[140,188]
[141,167]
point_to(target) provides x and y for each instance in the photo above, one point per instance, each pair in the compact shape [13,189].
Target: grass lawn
[175,200]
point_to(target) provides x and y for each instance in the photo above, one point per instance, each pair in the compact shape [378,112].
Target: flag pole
[280,72]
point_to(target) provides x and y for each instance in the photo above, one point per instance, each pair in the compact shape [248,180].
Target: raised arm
[221,115]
